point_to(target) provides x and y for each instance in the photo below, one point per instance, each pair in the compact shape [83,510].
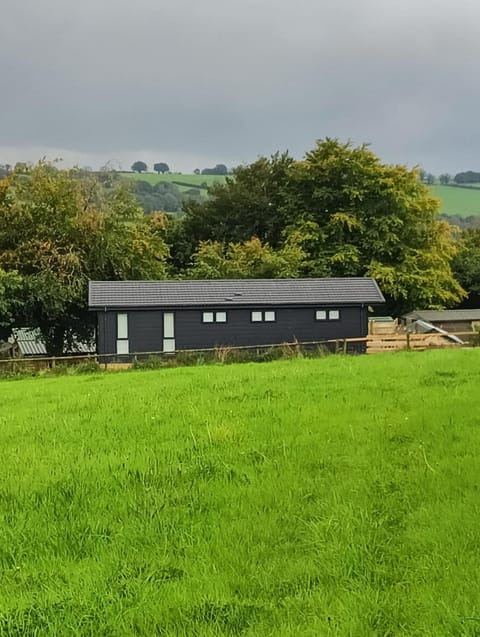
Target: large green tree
[352,214]
[60,228]
[466,264]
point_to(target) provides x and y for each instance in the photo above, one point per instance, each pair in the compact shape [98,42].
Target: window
[214,317]
[122,334]
[260,316]
[327,315]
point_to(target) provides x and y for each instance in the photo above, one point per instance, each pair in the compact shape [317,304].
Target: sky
[200,82]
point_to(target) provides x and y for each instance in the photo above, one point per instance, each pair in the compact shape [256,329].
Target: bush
[87,367]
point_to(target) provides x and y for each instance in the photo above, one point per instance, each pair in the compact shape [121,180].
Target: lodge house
[167,316]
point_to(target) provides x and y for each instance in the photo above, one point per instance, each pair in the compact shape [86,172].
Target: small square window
[207,317]
[269,316]
[321,315]
[221,317]
[334,315]
[257,317]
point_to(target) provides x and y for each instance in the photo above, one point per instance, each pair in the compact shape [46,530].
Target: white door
[168,332]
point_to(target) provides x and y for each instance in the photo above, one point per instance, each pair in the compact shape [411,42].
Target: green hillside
[336,496]
[462,202]
[184,182]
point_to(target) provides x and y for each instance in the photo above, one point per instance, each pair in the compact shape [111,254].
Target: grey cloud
[224,79]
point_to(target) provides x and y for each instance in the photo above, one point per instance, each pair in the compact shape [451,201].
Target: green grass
[336,496]
[463,202]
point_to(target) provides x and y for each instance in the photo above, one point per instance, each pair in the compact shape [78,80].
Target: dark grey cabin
[167,316]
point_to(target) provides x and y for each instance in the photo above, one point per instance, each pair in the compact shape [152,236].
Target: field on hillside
[189,180]
[463,202]
[337,496]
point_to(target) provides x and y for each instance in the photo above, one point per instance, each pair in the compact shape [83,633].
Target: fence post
[408,340]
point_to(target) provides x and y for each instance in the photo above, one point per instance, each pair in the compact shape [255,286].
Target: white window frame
[169,332]
[123,346]
[263,316]
[219,316]
[327,315]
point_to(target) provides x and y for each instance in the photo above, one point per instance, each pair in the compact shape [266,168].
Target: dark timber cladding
[165,316]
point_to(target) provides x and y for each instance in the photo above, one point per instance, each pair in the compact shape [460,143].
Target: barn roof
[443,315]
[30,343]
[234,292]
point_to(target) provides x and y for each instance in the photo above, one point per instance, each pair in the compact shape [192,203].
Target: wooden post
[408,340]
[345,345]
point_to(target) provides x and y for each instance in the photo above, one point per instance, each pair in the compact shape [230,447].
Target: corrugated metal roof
[224,292]
[30,343]
[444,315]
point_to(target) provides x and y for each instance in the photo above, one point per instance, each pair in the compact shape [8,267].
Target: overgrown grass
[336,496]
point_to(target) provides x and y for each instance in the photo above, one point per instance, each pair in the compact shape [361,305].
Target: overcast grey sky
[199,82]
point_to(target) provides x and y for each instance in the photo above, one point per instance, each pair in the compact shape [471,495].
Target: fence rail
[373,344]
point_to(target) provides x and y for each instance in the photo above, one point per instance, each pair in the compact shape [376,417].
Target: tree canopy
[58,229]
[139,167]
[351,214]
[161,167]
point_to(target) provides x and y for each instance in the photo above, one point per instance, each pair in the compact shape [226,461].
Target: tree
[352,216]
[248,204]
[374,219]
[220,169]
[58,229]
[250,259]
[11,301]
[161,167]
[139,167]
[196,171]
[466,264]
[468,177]
[445,179]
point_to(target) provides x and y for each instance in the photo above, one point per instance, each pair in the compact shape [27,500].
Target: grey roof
[444,315]
[235,292]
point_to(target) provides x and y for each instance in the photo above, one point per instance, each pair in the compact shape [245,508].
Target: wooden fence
[370,344]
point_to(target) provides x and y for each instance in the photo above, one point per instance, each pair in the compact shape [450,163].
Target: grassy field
[463,202]
[192,180]
[336,496]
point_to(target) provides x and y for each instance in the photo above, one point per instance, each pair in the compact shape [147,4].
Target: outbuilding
[167,316]
[465,320]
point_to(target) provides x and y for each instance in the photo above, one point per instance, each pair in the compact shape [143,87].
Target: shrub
[87,367]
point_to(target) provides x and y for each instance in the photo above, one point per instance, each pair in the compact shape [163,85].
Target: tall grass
[336,496]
